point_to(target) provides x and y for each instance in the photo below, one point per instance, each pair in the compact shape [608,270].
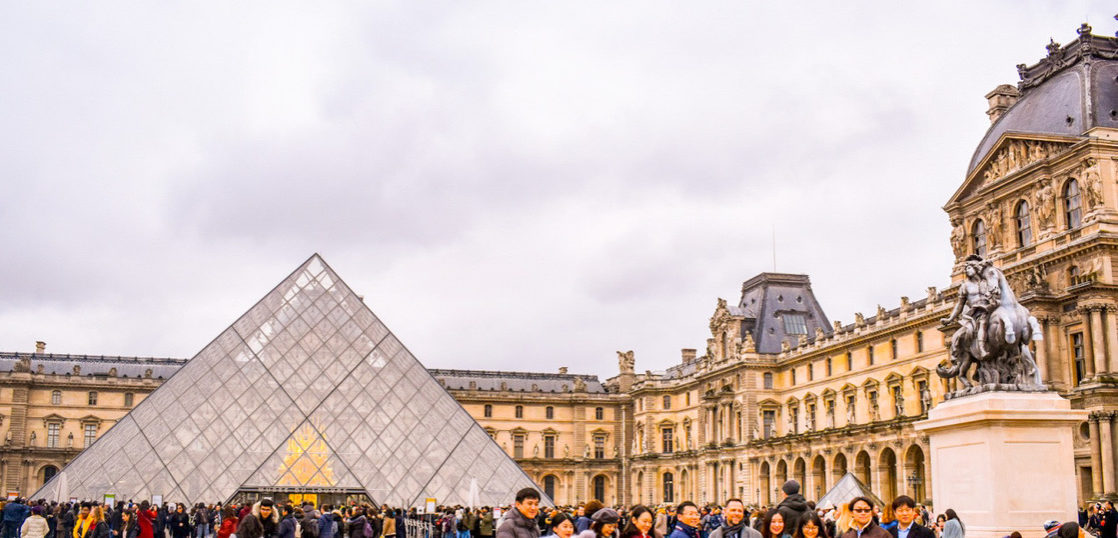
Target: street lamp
[914,482]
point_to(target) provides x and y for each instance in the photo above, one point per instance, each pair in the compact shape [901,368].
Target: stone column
[1098,337]
[1088,361]
[1096,460]
[1112,337]
[1042,353]
[1106,451]
[1052,354]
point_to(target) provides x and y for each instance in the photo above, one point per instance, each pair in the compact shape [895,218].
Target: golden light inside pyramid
[307,462]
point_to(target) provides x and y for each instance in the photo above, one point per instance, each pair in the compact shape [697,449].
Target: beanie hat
[791,487]
[606,516]
[1050,524]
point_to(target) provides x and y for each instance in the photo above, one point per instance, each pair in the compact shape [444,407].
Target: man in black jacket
[904,508]
[793,505]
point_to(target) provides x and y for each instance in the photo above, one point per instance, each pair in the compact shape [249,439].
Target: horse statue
[994,333]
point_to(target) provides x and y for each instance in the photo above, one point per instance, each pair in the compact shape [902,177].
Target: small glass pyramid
[846,489]
[307,391]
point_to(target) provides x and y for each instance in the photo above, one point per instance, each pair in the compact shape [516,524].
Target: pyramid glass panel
[283,400]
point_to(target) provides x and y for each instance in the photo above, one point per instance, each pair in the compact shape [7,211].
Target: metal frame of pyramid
[307,391]
[845,489]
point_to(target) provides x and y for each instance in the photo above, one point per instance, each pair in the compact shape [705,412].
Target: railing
[419,529]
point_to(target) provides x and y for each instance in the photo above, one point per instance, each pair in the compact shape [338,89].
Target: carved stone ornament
[958,238]
[995,226]
[625,361]
[1092,184]
[580,385]
[991,331]
[1044,203]
[1017,154]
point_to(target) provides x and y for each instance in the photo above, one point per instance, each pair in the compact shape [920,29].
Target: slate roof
[767,296]
[1071,90]
[516,381]
[92,365]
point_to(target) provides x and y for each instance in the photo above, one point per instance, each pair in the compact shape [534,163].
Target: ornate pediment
[1012,153]
[721,316]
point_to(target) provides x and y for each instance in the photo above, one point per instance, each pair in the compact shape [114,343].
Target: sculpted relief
[1017,154]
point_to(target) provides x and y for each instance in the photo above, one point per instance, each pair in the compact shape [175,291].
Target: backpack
[368,529]
[462,525]
[446,528]
[310,528]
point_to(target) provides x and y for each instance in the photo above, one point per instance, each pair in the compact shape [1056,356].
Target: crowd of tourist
[793,517]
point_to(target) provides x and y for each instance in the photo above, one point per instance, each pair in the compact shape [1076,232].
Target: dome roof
[1073,89]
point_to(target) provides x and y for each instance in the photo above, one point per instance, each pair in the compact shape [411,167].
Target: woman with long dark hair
[810,525]
[953,527]
[774,525]
[562,526]
[640,523]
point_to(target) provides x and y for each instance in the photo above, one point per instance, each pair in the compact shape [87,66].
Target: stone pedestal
[1003,461]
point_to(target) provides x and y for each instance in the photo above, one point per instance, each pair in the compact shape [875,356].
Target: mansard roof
[516,381]
[62,364]
[766,297]
[1066,93]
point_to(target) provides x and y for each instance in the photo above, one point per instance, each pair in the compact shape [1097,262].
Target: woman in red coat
[228,522]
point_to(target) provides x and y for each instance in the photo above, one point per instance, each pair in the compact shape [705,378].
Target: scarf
[732,531]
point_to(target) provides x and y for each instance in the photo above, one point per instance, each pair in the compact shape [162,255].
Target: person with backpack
[326,525]
[308,524]
[358,526]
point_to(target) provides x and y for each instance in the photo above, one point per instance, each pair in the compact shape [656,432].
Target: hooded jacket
[516,525]
[254,525]
[792,507]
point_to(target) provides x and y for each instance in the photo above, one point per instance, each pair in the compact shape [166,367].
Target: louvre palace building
[781,390]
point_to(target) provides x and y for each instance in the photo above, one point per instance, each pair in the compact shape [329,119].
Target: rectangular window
[830,413]
[793,376]
[549,446]
[851,410]
[811,417]
[666,440]
[56,398]
[599,447]
[794,323]
[488,412]
[795,412]
[919,342]
[599,413]
[811,371]
[893,349]
[52,434]
[849,361]
[518,446]
[769,422]
[92,398]
[550,412]
[1078,357]
[687,397]
[520,411]
[767,380]
[667,402]
[869,354]
[90,431]
[829,369]
[128,399]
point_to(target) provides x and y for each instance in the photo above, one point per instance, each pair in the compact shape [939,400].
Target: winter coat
[179,522]
[286,527]
[915,531]
[683,530]
[745,531]
[792,507]
[100,530]
[34,527]
[144,519]
[873,530]
[660,527]
[254,525]
[228,527]
[518,526]
[953,529]
[389,528]
[485,524]
[355,528]
[16,512]
[325,526]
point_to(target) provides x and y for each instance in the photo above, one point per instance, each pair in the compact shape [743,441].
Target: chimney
[40,347]
[688,355]
[1000,99]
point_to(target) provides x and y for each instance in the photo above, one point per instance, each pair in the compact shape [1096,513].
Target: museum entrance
[299,495]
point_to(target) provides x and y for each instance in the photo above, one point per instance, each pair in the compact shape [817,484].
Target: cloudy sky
[512,185]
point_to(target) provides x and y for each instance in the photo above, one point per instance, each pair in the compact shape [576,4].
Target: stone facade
[780,392]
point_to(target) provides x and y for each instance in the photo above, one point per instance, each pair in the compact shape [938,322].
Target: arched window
[549,486]
[669,488]
[1024,226]
[56,397]
[978,237]
[48,472]
[600,488]
[1072,210]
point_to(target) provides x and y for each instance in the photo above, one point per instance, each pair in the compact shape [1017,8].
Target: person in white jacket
[35,526]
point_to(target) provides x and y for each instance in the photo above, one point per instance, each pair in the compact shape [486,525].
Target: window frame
[1073,214]
[1024,226]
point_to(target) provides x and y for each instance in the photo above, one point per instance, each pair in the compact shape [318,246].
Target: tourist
[810,525]
[287,522]
[941,520]
[50,514]
[145,519]
[661,526]
[904,508]
[129,525]
[688,521]
[711,520]
[1051,528]
[734,524]
[583,522]
[84,521]
[639,523]
[603,524]
[774,525]
[485,524]
[1070,529]
[66,518]
[861,509]
[179,522]
[793,505]
[229,522]
[36,525]
[520,521]
[562,526]
[262,521]
[14,514]
[1108,521]
[98,526]
[358,525]
[953,527]
[326,525]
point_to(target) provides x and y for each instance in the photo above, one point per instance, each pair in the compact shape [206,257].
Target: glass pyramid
[846,489]
[307,391]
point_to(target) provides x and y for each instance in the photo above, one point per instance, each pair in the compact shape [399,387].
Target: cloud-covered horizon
[513,186]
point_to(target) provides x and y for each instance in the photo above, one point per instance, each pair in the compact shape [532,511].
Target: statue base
[1004,461]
